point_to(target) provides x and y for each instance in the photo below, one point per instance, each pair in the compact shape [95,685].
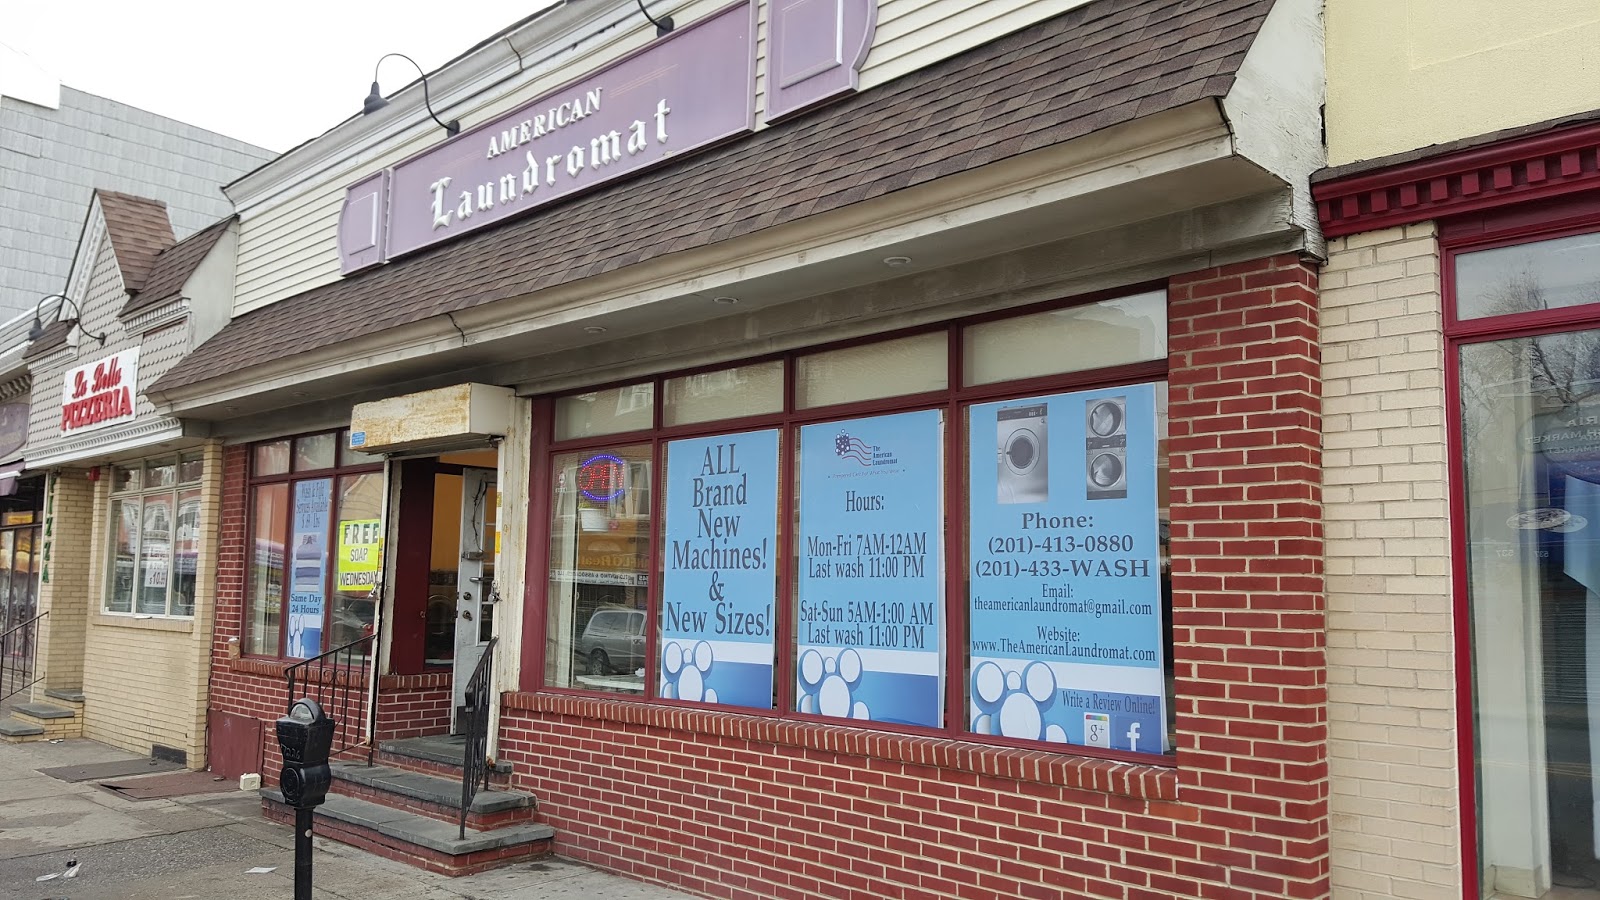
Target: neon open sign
[600,478]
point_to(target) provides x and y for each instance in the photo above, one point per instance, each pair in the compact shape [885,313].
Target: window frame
[141,494]
[1457,236]
[291,478]
[953,400]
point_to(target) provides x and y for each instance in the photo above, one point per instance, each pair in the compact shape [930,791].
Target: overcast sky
[271,73]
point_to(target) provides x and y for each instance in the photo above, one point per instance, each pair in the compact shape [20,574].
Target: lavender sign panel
[361,223]
[816,49]
[684,91]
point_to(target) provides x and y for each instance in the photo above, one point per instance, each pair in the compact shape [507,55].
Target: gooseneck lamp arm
[375,100]
[663,25]
[36,330]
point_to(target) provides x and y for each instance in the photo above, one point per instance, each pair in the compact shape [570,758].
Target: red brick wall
[409,705]
[413,705]
[747,807]
[246,687]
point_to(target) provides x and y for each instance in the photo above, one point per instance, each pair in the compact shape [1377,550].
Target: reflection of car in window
[613,640]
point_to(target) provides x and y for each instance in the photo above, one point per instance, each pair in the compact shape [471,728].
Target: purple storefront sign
[692,88]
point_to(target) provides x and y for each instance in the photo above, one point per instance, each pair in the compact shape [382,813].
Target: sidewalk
[200,847]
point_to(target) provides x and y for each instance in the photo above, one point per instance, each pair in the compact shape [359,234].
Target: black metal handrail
[19,656]
[475,709]
[338,679]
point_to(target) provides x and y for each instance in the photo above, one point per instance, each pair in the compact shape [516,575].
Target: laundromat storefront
[961,529]
[1020,594]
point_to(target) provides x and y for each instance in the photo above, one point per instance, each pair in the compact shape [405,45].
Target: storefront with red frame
[1515,225]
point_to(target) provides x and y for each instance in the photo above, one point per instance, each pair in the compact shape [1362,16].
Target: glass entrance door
[474,588]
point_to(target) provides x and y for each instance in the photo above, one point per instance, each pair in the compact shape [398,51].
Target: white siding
[287,245]
[159,350]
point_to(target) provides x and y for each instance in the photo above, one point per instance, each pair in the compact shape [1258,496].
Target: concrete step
[438,754]
[70,696]
[16,731]
[435,796]
[54,721]
[44,711]
[416,839]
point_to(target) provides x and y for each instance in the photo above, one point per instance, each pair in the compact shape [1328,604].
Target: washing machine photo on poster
[1065,584]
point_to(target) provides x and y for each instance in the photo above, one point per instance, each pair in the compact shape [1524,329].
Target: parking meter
[305,735]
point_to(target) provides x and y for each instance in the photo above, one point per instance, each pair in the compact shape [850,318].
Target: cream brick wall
[145,679]
[63,579]
[1391,698]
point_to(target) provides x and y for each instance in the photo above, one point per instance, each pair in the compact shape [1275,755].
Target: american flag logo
[847,447]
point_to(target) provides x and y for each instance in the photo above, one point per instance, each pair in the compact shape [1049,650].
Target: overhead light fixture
[595,329]
[375,100]
[663,25]
[726,301]
[36,330]
[895,262]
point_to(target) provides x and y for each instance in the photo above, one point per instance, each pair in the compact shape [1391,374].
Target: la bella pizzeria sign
[100,393]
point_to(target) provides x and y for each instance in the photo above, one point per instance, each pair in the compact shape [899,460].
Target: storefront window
[599,569]
[19,564]
[1054,527]
[155,539]
[894,368]
[1529,420]
[1072,339]
[317,548]
[608,411]
[751,390]
[270,510]
[359,559]
[1528,277]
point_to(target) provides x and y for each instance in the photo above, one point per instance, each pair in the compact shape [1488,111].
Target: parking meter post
[305,736]
[302,854]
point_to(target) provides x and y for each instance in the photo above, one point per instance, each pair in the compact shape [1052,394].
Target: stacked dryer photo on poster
[1024,451]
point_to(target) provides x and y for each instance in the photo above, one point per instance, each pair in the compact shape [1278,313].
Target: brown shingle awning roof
[139,230]
[173,266]
[1101,64]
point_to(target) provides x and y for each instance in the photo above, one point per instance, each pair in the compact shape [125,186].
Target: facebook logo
[1133,737]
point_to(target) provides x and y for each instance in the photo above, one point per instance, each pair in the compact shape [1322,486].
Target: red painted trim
[1466,765]
[536,561]
[658,565]
[408,635]
[1518,170]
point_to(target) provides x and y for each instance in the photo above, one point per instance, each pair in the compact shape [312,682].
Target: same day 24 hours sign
[871,603]
[1065,556]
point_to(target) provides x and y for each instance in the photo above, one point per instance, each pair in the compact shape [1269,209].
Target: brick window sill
[150,623]
[1135,780]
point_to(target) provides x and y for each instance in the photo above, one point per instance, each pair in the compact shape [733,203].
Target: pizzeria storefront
[943,518]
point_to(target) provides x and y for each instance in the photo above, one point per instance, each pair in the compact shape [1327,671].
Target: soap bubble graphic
[1013,704]
[828,684]
[685,672]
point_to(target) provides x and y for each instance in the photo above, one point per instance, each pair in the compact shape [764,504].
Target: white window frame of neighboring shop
[174,491]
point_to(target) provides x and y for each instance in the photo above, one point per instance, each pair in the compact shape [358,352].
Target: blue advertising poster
[871,604]
[720,582]
[308,567]
[1065,554]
